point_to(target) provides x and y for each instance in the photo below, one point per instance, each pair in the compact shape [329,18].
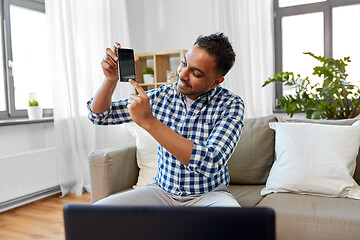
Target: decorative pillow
[315,159]
[331,122]
[146,154]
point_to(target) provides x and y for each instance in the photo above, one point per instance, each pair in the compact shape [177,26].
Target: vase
[148,78]
[34,112]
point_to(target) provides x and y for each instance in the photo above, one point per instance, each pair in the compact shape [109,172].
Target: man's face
[197,73]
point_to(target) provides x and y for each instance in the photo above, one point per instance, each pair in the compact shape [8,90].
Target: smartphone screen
[126,64]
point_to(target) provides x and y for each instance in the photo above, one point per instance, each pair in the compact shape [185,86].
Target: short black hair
[218,46]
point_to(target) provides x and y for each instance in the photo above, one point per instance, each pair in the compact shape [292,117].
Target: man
[196,122]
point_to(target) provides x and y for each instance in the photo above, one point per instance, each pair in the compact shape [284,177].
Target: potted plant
[148,74]
[333,98]
[34,110]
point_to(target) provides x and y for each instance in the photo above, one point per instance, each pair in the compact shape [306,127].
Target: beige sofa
[297,216]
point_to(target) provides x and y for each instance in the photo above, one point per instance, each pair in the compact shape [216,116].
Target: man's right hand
[109,63]
[102,99]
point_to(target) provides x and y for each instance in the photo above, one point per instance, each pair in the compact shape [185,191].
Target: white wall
[168,24]
[16,139]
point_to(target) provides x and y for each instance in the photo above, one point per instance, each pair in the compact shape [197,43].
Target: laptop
[171,223]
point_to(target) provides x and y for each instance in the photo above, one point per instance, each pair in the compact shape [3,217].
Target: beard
[183,84]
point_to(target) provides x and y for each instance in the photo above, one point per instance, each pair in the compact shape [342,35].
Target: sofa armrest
[112,170]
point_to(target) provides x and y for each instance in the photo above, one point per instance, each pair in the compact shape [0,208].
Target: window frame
[11,112]
[326,8]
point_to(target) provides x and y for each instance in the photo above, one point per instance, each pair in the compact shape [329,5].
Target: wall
[168,24]
[136,20]
[15,139]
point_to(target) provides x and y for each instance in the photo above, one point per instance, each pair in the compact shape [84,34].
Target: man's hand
[109,63]
[139,107]
[140,112]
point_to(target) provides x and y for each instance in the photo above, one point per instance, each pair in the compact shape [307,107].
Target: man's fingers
[133,97]
[138,88]
[108,65]
[108,60]
[105,64]
[116,46]
[112,54]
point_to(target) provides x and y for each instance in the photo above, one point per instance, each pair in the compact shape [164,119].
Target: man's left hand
[139,106]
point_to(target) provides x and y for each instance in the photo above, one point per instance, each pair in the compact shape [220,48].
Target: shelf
[152,84]
[161,61]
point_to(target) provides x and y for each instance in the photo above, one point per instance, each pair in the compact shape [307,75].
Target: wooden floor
[42,219]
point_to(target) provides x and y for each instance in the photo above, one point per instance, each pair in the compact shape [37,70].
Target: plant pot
[148,78]
[34,112]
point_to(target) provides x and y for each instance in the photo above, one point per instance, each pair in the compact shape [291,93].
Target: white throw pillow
[315,159]
[146,154]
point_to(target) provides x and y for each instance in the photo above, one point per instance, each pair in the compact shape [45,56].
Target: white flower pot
[34,112]
[148,78]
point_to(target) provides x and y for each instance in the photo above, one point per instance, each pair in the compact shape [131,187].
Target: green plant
[148,70]
[33,102]
[333,98]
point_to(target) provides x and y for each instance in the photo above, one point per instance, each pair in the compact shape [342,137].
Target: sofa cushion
[252,159]
[315,159]
[247,195]
[146,154]
[332,122]
[314,217]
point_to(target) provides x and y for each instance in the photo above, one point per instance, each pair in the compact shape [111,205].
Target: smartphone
[126,64]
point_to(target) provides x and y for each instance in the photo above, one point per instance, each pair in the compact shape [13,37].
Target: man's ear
[218,81]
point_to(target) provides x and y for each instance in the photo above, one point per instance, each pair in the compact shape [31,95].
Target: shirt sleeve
[117,113]
[210,158]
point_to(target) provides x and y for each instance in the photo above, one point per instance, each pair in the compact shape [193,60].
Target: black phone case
[126,64]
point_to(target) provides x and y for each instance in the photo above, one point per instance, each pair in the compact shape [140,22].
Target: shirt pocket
[201,129]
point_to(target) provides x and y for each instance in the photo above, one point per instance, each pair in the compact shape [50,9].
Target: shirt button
[181,188]
[182,166]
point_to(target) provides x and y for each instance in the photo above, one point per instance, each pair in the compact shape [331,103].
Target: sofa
[300,213]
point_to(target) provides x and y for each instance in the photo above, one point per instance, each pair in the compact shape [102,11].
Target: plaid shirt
[214,123]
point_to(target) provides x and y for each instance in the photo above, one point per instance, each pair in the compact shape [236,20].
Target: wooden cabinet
[161,62]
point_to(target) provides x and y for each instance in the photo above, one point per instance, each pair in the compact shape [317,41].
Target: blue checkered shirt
[214,123]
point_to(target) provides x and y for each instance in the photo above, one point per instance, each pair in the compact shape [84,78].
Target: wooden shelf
[152,84]
[161,64]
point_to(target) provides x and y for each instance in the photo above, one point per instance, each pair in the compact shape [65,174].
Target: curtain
[249,25]
[79,33]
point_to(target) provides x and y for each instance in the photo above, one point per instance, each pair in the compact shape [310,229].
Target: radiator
[27,173]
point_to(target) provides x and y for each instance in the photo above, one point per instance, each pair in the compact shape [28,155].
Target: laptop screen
[170,223]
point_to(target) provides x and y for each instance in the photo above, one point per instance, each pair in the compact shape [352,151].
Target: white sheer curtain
[80,31]
[249,25]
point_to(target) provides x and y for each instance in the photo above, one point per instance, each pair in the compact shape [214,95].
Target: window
[288,3]
[347,38]
[24,58]
[323,27]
